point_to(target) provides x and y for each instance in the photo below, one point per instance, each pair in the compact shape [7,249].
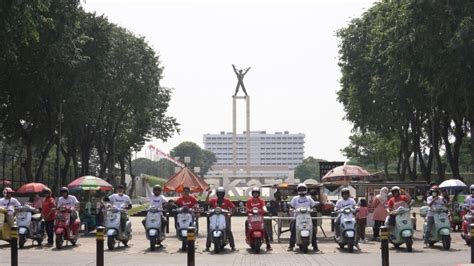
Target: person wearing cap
[301,200]
[10,203]
[158,201]
[380,211]
[68,201]
[48,213]
[121,201]
[435,201]
[221,201]
[256,202]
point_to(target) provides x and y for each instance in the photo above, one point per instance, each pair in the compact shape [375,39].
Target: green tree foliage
[162,168]
[398,63]
[106,79]
[199,157]
[308,169]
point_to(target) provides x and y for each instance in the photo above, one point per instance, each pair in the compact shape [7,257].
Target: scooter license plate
[255,218]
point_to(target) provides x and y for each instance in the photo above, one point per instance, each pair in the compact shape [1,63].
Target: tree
[308,169]
[199,157]
[162,168]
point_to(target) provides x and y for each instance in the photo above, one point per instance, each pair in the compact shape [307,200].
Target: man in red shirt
[189,201]
[226,204]
[256,202]
[48,212]
[397,200]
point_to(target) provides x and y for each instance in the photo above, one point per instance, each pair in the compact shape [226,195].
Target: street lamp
[58,145]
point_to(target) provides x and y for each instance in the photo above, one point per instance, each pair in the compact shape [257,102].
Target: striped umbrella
[89,183]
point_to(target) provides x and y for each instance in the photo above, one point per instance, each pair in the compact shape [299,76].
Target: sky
[291,47]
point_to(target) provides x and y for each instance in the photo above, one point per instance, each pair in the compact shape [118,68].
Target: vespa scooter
[441,227]
[30,225]
[153,227]
[63,230]
[255,233]
[115,232]
[347,234]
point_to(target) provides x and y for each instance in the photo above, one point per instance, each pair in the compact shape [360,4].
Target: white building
[280,148]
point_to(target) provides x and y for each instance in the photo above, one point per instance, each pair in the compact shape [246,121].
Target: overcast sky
[290,45]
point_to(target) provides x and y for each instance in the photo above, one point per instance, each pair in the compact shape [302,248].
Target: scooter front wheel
[152,243]
[446,242]
[257,245]
[21,241]
[111,242]
[217,247]
[409,243]
[350,245]
[305,245]
[59,241]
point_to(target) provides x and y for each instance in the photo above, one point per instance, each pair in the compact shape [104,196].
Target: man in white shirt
[435,201]
[302,200]
[121,202]
[68,201]
[9,203]
[346,201]
[157,200]
[469,201]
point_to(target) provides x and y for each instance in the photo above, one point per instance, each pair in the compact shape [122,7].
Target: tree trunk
[44,156]
[122,169]
[28,161]
[452,152]
[132,176]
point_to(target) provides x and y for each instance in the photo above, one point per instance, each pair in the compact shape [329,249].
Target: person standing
[361,218]
[48,212]
[380,212]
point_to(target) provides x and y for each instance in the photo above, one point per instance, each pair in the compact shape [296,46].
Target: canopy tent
[185,178]
[345,173]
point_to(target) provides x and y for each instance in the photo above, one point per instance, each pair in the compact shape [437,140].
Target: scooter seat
[36,217]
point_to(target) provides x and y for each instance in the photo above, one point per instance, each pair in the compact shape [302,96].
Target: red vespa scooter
[255,233]
[63,230]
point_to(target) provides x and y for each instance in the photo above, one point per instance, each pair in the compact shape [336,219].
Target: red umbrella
[32,188]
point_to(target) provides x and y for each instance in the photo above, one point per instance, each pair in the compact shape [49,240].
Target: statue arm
[247,70]
[235,70]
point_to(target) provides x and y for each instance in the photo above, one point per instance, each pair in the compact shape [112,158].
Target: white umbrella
[452,183]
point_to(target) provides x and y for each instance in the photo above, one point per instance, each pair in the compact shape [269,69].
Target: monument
[240,84]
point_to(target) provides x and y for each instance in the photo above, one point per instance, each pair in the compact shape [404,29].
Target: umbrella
[89,183]
[32,188]
[452,183]
[345,172]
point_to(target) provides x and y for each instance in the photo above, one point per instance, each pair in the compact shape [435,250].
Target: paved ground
[138,252]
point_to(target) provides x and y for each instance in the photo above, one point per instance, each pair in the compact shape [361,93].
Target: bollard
[191,238]
[14,245]
[471,228]
[384,245]
[168,222]
[99,235]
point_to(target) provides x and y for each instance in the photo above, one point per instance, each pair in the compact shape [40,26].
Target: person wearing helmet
[68,201]
[121,201]
[435,201]
[256,202]
[157,200]
[346,201]
[396,201]
[301,200]
[10,203]
[469,200]
[221,201]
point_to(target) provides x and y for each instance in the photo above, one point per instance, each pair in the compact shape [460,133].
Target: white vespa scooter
[115,232]
[153,226]
[402,233]
[217,228]
[304,228]
[347,234]
[185,219]
[441,230]
[30,225]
